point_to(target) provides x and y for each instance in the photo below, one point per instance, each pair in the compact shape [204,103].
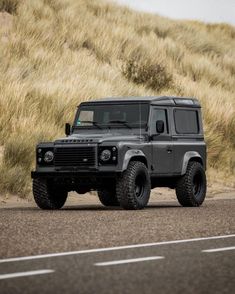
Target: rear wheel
[108,197]
[191,188]
[48,196]
[133,187]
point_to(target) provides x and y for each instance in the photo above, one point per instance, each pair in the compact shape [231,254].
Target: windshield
[112,115]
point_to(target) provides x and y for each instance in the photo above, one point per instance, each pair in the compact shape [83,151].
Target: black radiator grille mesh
[75,156]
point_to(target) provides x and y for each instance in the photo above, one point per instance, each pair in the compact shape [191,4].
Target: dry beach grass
[56,53]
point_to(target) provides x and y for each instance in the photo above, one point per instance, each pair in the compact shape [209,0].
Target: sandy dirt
[6,22]
[1,153]
[157,195]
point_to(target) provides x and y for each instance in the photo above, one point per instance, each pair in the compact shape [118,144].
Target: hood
[99,138]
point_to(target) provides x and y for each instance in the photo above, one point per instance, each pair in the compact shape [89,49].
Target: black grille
[75,156]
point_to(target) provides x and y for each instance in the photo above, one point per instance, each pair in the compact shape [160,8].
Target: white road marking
[25,274]
[112,248]
[115,262]
[219,249]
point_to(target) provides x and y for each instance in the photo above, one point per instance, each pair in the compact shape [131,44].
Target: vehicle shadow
[92,207]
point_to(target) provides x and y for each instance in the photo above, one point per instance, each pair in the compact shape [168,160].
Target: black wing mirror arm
[67,129]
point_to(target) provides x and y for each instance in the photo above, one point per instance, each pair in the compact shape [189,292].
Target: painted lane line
[26,274]
[115,262]
[219,249]
[112,248]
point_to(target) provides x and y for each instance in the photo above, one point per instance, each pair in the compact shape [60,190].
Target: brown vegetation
[61,52]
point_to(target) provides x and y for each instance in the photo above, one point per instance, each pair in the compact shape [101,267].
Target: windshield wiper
[120,122]
[94,123]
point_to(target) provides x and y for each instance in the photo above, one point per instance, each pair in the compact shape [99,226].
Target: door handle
[168,149]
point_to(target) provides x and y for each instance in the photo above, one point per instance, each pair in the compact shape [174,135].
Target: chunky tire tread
[108,197]
[47,198]
[126,184]
[184,186]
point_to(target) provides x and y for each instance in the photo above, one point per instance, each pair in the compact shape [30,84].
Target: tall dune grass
[61,52]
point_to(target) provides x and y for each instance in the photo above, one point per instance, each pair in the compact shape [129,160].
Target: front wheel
[133,186]
[48,196]
[191,187]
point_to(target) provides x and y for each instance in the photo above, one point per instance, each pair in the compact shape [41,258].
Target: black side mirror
[160,126]
[67,129]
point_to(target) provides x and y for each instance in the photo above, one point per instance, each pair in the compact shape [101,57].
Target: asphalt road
[91,249]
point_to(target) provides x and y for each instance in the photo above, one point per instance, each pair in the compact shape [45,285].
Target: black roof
[154,100]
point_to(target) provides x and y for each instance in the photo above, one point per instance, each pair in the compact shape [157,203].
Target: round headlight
[49,156]
[105,155]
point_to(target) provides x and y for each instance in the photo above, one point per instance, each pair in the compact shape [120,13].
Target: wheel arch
[189,157]
[134,155]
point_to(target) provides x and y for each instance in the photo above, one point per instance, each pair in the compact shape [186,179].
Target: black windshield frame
[85,106]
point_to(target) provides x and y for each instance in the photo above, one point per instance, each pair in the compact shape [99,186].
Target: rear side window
[186,121]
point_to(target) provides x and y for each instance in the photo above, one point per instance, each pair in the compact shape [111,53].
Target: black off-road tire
[48,197]
[191,188]
[108,197]
[133,186]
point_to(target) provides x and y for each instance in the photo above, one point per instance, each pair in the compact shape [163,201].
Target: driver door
[162,151]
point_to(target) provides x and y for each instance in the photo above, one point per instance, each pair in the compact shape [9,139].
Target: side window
[186,121]
[159,114]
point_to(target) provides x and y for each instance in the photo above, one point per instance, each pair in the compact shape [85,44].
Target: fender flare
[187,156]
[129,155]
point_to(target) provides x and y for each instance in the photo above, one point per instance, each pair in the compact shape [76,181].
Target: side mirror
[67,129]
[160,126]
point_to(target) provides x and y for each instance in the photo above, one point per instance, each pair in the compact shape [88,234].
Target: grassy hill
[56,53]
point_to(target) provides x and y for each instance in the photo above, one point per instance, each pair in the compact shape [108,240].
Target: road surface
[92,249]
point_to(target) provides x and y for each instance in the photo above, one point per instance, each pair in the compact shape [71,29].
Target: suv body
[123,147]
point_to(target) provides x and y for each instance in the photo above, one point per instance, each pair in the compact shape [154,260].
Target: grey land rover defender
[123,147]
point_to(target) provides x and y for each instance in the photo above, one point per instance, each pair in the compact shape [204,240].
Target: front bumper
[73,180]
